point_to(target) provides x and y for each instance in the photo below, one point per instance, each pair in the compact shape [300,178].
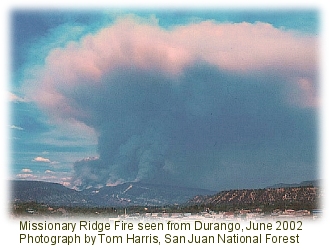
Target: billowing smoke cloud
[205,105]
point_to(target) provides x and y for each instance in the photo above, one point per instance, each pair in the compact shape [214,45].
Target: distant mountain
[139,193]
[127,194]
[315,183]
[143,194]
[45,192]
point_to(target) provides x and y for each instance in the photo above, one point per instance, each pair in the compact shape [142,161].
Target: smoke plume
[204,105]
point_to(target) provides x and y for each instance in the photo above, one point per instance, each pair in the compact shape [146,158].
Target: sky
[208,98]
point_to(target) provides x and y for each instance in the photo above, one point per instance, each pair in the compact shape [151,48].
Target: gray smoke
[206,128]
[197,105]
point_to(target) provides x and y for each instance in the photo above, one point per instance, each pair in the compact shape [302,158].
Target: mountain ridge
[315,183]
[126,194]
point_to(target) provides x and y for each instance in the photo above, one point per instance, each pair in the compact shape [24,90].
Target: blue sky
[215,99]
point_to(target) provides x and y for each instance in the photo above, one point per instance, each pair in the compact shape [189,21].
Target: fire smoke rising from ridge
[196,106]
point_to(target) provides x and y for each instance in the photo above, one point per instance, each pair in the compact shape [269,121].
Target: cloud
[45,160]
[188,106]
[133,44]
[41,159]
[57,177]
[14,98]
[26,176]
[47,175]
[16,127]
[26,170]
